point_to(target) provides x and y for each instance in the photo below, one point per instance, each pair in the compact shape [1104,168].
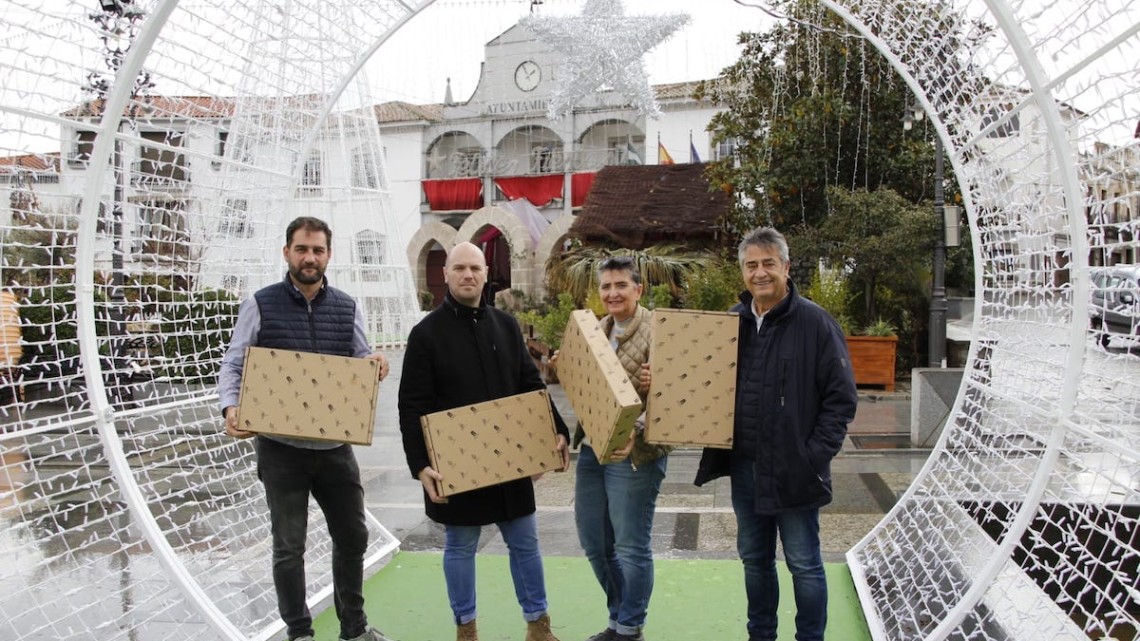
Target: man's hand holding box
[492,442]
[306,395]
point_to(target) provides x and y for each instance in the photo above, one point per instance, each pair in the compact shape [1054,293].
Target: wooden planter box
[873,359]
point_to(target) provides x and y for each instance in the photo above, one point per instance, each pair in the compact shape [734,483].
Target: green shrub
[195,328]
[659,297]
[594,304]
[828,289]
[48,327]
[551,324]
[715,288]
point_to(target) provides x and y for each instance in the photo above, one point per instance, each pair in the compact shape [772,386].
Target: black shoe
[609,634]
[628,637]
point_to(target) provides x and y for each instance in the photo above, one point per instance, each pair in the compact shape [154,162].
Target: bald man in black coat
[467,352]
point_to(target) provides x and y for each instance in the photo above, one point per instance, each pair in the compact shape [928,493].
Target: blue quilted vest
[289,321]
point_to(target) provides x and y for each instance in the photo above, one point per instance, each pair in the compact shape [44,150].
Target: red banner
[539,190]
[454,193]
[580,186]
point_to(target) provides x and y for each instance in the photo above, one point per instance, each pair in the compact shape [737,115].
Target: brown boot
[540,630]
[466,632]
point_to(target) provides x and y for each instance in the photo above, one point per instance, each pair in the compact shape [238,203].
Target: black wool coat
[456,356]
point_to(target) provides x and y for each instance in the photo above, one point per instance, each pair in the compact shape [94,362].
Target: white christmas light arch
[1022,524]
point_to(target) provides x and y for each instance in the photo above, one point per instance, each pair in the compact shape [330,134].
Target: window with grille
[726,149]
[370,254]
[237,146]
[1007,129]
[365,172]
[84,145]
[164,231]
[233,283]
[311,175]
[235,221]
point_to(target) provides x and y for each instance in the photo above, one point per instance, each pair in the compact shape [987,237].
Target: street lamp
[118,22]
[936,346]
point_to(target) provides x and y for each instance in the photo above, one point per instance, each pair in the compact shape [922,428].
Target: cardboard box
[493,442]
[692,367]
[603,397]
[304,395]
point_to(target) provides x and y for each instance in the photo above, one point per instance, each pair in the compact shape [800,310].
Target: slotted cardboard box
[692,366]
[493,442]
[603,397]
[305,395]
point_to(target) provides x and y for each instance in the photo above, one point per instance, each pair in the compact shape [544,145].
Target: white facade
[502,131]
[205,198]
[202,148]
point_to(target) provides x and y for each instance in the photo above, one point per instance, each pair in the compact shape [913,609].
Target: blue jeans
[290,474]
[613,509]
[756,544]
[521,537]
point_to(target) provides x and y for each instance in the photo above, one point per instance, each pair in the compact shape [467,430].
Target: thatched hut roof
[637,206]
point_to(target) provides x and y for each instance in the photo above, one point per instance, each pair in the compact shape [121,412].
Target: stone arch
[547,244]
[522,250]
[421,243]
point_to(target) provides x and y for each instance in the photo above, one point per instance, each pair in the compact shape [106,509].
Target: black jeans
[290,474]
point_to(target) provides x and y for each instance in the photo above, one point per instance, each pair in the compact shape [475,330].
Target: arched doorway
[497,251]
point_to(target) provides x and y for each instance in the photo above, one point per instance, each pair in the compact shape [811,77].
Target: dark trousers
[290,474]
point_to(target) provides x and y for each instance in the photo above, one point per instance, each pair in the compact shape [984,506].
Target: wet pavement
[876,465]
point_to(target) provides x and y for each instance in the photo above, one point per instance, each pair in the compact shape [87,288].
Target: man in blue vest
[795,395]
[304,313]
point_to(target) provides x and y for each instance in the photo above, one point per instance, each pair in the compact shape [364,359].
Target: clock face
[527,75]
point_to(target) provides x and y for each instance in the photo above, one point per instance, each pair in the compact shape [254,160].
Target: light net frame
[1023,522]
[136,215]
[116,482]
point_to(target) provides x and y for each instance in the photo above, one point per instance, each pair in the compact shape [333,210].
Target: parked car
[1115,301]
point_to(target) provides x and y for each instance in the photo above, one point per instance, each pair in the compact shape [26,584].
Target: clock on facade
[527,75]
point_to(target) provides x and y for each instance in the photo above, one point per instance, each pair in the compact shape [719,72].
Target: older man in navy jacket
[795,395]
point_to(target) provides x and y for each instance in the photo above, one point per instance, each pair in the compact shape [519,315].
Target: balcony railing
[497,163]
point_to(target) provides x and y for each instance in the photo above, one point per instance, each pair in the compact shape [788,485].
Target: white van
[1114,306]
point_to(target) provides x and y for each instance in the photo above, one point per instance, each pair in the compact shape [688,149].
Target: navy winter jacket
[795,395]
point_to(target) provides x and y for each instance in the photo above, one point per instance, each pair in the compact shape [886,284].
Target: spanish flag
[663,157]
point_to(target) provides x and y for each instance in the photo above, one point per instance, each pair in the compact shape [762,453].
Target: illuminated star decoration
[603,47]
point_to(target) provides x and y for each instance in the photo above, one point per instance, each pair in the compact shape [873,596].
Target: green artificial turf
[692,601]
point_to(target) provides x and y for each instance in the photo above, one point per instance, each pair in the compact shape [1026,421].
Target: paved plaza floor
[874,468]
[693,525]
[699,593]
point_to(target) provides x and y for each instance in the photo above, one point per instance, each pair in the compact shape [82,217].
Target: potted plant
[873,350]
[548,329]
[873,355]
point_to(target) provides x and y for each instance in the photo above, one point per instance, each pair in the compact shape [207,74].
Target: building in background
[496,171]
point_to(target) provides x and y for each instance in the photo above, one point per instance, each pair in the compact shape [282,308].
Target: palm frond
[575,271]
